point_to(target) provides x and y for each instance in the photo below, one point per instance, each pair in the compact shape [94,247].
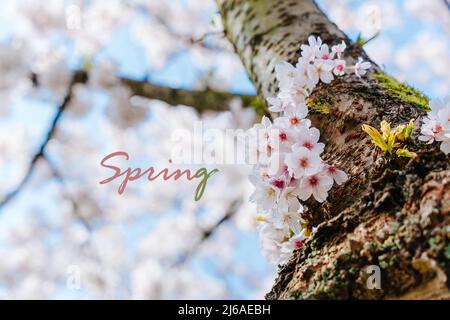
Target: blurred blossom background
[62,235]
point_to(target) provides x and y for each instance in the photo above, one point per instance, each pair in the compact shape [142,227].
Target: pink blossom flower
[339,49]
[278,105]
[323,71]
[317,185]
[361,67]
[288,247]
[339,67]
[303,162]
[338,176]
[285,74]
[308,52]
[308,138]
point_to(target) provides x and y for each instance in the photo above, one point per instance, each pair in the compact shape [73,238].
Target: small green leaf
[291,233]
[377,139]
[385,128]
[400,132]
[403,152]
[391,142]
[409,129]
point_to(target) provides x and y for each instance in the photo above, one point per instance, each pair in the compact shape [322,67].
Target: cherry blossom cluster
[436,126]
[290,169]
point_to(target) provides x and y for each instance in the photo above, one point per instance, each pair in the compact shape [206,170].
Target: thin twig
[187,39]
[219,34]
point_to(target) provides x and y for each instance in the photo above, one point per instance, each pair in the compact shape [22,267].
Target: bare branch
[201,100]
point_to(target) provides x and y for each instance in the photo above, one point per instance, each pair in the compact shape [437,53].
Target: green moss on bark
[403,91]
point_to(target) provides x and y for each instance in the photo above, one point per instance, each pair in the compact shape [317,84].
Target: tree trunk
[393,214]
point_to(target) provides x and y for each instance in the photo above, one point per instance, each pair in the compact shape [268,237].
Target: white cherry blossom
[294,243]
[303,162]
[361,67]
[308,138]
[338,49]
[317,185]
[338,176]
[339,67]
[309,51]
[288,201]
[265,195]
[323,71]
[324,53]
[436,126]
[286,74]
[278,105]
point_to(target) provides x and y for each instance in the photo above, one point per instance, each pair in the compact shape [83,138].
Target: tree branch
[201,100]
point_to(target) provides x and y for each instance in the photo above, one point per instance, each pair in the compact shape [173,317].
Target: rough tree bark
[394,214]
